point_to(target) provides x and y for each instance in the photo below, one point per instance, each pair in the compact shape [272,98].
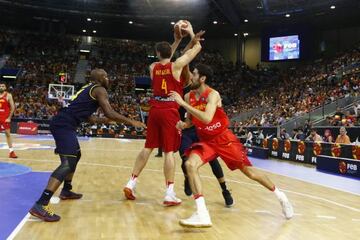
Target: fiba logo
[342,167]
[287,146]
[336,150]
[356,152]
[290,45]
[301,147]
[317,149]
[275,144]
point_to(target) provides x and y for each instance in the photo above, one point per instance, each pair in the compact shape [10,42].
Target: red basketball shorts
[161,129]
[227,146]
[4,125]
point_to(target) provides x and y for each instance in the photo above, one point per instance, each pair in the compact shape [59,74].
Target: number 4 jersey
[163,82]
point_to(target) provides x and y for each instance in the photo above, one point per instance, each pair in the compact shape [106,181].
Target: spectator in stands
[249,138]
[357,109]
[343,138]
[260,137]
[328,136]
[283,134]
[314,136]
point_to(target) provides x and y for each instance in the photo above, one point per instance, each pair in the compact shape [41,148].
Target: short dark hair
[164,48]
[205,70]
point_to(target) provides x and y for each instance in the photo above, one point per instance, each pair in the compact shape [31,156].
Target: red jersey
[163,82]
[4,107]
[219,123]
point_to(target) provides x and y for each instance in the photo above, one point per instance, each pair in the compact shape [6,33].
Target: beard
[2,90]
[194,86]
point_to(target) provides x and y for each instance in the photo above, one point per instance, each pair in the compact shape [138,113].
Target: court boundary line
[283,175]
[208,177]
[18,227]
[25,219]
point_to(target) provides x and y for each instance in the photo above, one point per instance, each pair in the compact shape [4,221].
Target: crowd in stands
[274,96]
[40,58]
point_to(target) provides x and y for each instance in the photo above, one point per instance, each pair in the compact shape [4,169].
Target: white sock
[11,149]
[200,204]
[278,194]
[131,183]
[170,189]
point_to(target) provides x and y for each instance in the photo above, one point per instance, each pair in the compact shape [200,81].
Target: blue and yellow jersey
[82,105]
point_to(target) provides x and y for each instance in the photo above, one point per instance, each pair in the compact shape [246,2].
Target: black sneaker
[187,188]
[44,212]
[67,194]
[157,155]
[229,201]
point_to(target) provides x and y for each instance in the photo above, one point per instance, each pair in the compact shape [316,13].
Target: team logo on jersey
[275,144]
[336,150]
[287,145]
[317,148]
[301,147]
[356,152]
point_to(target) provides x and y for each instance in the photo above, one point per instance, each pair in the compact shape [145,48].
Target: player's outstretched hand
[176,96]
[198,36]
[180,125]
[138,124]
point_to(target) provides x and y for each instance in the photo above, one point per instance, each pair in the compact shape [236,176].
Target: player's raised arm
[187,57]
[102,97]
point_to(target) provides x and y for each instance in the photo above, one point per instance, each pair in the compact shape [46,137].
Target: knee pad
[61,171]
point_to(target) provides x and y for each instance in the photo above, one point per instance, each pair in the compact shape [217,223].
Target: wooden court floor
[103,213]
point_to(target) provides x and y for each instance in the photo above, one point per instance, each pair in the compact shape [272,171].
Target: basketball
[180,26]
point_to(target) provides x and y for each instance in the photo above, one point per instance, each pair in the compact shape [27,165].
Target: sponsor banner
[341,166]
[258,152]
[27,128]
[307,152]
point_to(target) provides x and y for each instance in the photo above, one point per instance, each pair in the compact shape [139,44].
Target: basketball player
[204,109]
[7,108]
[189,137]
[163,116]
[63,127]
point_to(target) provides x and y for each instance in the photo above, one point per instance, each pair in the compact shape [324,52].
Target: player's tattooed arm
[102,97]
[204,116]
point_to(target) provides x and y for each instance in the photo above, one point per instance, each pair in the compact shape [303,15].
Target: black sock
[45,197]
[67,185]
[223,186]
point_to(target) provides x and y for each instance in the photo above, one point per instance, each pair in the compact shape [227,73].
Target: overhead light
[84,31]
[287,15]
[235,34]
[172,23]
[6,76]
[84,50]
[88,19]
[131,22]
[246,34]
[332,7]
[94,31]
[214,22]
[245,20]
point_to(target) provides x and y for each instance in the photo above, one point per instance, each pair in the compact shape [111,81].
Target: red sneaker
[12,155]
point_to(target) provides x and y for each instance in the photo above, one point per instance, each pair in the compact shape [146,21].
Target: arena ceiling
[151,19]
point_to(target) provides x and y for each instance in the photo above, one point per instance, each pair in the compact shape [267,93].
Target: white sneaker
[287,209]
[171,200]
[197,220]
